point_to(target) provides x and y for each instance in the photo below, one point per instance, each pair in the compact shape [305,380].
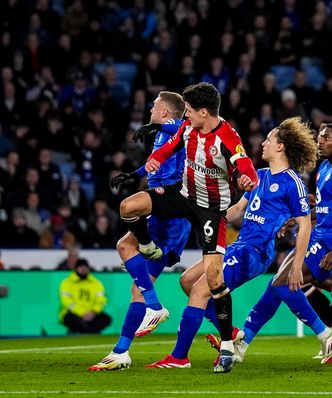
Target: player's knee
[124,247]
[185,284]
[125,208]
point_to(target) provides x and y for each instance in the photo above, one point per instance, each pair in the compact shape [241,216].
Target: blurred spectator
[290,107]
[266,119]
[73,255]
[79,94]
[37,218]
[186,75]
[83,300]
[76,198]
[305,95]
[100,235]
[30,184]
[75,18]
[76,225]
[100,209]
[78,77]
[18,234]
[57,236]
[218,75]
[49,174]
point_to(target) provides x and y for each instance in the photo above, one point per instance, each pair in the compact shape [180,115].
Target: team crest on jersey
[274,187]
[213,150]
[159,190]
[239,149]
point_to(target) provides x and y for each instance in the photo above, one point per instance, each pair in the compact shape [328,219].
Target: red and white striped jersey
[210,160]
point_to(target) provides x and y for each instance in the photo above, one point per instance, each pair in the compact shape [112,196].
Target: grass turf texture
[53,367]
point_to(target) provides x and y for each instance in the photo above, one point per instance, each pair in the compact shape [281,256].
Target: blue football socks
[263,311]
[134,318]
[191,321]
[138,270]
[299,305]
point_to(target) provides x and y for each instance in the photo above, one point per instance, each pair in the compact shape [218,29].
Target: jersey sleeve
[171,127]
[173,145]
[141,172]
[235,153]
[298,198]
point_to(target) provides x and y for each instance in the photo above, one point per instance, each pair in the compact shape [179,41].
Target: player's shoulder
[263,171]
[177,122]
[325,165]
[228,133]
[293,180]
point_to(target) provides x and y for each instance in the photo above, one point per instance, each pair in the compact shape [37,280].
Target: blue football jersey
[171,171]
[323,226]
[276,198]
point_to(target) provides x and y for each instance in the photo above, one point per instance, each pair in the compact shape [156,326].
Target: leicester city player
[170,236]
[316,267]
[280,194]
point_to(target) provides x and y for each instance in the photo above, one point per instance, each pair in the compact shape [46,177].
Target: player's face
[324,142]
[157,111]
[195,117]
[270,146]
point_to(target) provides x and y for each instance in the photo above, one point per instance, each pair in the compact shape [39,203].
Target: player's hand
[326,263]
[146,130]
[123,178]
[289,224]
[152,166]
[245,184]
[295,279]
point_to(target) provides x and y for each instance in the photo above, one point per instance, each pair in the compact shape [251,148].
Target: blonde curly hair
[299,142]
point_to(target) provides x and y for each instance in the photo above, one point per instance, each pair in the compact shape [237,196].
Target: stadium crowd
[77,78]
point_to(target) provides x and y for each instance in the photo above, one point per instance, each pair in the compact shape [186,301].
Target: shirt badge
[213,150]
[274,187]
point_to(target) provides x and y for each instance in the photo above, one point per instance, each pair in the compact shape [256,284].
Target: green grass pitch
[56,367]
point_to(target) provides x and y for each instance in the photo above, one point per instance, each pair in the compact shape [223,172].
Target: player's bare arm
[295,276]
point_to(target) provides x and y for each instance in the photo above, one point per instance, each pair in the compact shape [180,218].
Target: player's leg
[153,318]
[191,321]
[297,301]
[214,244]
[133,211]
[171,236]
[191,275]
[137,267]
[119,357]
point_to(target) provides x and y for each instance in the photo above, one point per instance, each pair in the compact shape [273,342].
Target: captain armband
[237,156]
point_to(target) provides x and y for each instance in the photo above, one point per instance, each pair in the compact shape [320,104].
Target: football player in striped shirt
[213,149]
[279,195]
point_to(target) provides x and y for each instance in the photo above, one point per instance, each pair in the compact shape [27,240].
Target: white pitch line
[223,392]
[79,347]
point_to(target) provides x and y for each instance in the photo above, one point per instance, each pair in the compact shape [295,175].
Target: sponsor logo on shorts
[274,187]
[159,190]
[213,151]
